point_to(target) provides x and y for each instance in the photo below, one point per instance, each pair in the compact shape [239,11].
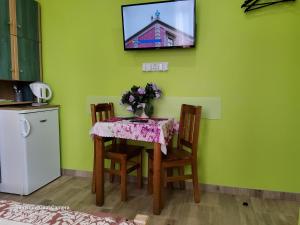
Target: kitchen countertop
[28,107]
[4,102]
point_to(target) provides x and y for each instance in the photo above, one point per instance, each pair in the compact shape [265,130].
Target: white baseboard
[265,194]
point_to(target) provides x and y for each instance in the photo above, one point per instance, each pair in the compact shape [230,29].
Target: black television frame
[169,47]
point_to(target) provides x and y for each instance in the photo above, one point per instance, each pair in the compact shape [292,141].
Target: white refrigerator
[29,149]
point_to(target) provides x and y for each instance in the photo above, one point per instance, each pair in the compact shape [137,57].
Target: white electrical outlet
[155,67]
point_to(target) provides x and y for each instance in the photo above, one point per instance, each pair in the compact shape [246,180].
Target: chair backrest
[102,112]
[189,127]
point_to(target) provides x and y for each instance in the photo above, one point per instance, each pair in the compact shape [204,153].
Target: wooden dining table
[157,131]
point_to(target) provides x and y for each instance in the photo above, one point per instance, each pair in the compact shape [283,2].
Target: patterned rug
[15,213]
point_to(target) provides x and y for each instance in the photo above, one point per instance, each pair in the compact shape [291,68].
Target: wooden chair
[118,151]
[179,157]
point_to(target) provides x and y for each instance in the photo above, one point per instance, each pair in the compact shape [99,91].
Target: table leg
[157,179]
[99,173]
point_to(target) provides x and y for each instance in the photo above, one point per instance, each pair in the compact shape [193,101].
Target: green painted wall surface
[252,61]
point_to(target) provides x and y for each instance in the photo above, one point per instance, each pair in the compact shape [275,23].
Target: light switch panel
[155,67]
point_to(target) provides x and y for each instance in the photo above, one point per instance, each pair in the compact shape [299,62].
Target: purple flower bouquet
[139,99]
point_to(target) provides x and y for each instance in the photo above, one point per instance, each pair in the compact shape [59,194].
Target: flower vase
[143,115]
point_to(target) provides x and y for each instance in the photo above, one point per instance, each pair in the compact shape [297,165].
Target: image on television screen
[159,25]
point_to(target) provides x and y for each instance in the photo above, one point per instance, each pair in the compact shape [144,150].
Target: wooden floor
[214,209]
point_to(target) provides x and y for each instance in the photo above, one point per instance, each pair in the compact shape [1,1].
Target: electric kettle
[42,92]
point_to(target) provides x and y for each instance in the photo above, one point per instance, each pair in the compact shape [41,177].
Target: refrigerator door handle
[26,128]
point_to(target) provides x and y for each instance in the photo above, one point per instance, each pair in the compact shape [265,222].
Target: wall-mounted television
[154,25]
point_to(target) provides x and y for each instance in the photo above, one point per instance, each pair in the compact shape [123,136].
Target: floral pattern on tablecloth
[159,131]
[52,215]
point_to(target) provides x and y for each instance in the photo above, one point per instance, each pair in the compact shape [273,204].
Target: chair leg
[163,190]
[112,167]
[123,180]
[150,176]
[169,174]
[94,174]
[181,173]
[195,182]
[139,175]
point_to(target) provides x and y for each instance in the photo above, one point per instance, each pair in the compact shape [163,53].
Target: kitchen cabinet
[4,19]
[28,57]
[5,48]
[20,40]
[27,19]
[5,59]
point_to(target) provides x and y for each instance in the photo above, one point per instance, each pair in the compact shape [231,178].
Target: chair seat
[172,155]
[117,151]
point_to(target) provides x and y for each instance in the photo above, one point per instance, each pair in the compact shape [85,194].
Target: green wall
[252,61]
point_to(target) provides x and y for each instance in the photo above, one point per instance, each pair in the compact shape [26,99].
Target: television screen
[169,24]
